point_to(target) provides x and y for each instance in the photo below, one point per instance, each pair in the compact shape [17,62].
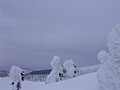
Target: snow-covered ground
[84,82]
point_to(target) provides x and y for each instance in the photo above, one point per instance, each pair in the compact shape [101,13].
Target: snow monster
[109,73]
[17,76]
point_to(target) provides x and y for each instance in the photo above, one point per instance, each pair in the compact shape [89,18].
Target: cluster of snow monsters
[17,76]
[109,72]
[59,71]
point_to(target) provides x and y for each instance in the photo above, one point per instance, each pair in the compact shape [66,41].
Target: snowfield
[84,82]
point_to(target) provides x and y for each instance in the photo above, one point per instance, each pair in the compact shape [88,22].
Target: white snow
[84,82]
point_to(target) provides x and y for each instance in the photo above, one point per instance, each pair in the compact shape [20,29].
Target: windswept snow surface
[84,82]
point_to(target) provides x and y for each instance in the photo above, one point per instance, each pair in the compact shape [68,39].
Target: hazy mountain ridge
[81,71]
[41,72]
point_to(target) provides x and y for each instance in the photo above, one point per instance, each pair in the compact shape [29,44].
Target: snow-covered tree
[109,72]
[56,70]
[70,68]
[36,78]
[16,74]
[103,56]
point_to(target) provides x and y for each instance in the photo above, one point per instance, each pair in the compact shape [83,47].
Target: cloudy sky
[33,31]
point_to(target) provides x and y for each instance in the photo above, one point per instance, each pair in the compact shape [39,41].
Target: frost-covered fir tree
[109,72]
[56,70]
[70,68]
[103,56]
[17,76]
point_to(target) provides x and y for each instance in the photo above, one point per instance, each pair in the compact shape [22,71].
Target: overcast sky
[33,31]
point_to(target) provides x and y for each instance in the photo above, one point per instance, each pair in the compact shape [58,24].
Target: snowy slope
[84,82]
[87,69]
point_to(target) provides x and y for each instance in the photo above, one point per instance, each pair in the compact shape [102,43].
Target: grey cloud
[34,31]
